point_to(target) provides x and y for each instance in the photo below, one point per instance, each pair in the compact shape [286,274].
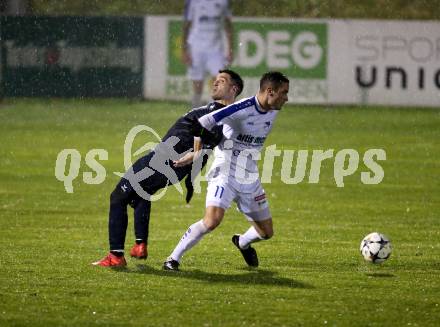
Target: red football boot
[111,261]
[139,251]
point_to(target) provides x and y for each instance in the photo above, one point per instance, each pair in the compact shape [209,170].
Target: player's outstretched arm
[190,157]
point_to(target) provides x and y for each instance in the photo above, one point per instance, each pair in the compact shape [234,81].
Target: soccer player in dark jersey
[226,87]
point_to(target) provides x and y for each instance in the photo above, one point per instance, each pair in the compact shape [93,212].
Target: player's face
[276,99]
[222,88]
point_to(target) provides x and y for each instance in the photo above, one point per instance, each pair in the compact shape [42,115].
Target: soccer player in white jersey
[233,175]
[203,46]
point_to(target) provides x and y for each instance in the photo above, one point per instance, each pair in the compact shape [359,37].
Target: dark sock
[142,220]
[140,241]
[117,253]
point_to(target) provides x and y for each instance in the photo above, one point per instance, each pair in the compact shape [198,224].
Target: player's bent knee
[117,196]
[213,218]
[268,234]
[265,228]
[211,222]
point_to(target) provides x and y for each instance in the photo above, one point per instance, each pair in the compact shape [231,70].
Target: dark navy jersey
[188,126]
[185,128]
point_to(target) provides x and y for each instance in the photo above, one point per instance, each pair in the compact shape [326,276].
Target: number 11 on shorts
[219,191]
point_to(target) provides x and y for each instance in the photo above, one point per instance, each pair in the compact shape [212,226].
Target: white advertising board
[296,48]
[384,63]
[327,61]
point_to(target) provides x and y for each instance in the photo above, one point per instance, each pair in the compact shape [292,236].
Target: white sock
[251,236]
[191,237]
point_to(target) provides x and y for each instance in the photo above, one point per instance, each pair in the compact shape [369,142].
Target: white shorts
[204,62]
[251,199]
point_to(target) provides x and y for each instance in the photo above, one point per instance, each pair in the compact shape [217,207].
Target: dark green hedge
[383,9]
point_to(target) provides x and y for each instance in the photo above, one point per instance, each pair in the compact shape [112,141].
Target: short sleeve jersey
[207,21]
[247,126]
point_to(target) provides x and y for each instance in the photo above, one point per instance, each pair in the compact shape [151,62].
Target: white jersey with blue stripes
[207,19]
[245,128]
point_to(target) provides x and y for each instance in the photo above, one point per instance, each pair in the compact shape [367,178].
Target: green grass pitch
[311,272]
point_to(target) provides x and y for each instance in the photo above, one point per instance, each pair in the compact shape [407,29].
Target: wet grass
[310,273]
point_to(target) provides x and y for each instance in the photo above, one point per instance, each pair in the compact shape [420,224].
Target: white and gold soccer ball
[376,247]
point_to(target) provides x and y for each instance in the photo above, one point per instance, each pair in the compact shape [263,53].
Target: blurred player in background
[227,86]
[203,46]
[233,175]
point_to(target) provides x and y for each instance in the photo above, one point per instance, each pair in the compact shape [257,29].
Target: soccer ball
[376,247]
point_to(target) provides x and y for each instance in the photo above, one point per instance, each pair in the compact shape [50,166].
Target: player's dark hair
[236,80]
[274,79]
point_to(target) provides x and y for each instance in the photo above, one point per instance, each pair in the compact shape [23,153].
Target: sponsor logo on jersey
[247,138]
[260,197]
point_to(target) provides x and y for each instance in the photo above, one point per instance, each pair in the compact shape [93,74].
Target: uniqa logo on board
[297,49]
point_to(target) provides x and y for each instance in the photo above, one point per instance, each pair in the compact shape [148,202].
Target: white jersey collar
[258,107]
